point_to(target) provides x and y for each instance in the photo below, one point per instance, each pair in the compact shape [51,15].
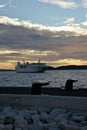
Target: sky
[54,31]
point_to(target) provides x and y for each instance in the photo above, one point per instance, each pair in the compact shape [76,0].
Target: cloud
[84,3]
[61,3]
[84,23]
[7,4]
[69,20]
[73,29]
[70,61]
[24,40]
[86,15]
[3,5]
[14,30]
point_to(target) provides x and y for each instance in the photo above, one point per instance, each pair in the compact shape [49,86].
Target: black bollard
[69,84]
[36,88]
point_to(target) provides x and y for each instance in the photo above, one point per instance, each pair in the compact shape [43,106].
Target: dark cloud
[59,45]
[18,37]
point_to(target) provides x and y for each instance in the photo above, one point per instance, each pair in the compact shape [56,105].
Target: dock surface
[48,91]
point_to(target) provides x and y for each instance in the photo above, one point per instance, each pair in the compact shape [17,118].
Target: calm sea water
[57,78]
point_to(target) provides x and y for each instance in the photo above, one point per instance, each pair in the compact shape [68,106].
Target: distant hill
[6,70]
[49,68]
[69,67]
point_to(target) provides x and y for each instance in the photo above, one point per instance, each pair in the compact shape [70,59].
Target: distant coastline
[69,67]
[6,70]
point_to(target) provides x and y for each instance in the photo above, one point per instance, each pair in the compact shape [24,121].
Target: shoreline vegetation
[69,67]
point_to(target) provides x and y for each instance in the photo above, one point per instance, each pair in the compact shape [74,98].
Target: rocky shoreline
[41,118]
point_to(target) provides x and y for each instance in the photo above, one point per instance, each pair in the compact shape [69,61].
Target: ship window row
[22,66]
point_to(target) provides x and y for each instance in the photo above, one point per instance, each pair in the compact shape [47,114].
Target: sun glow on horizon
[58,63]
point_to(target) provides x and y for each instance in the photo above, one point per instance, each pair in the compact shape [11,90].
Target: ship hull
[29,71]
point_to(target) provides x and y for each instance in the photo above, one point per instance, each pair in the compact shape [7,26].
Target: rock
[8,111]
[27,115]
[40,109]
[21,123]
[55,112]
[1,119]
[67,115]
[9,120]
[79,118]
[6,127]
[43,117]
[84,128]
[74,123]
[61,121]
[17,129]
[36,126]
[80,114]
[51,128]
[35,118]
[83,123]
[70,127]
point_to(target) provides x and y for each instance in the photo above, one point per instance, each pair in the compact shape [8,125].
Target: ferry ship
[27,67]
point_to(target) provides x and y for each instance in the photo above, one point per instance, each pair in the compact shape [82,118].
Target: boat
[27,67]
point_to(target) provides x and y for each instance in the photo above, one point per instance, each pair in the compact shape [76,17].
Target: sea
[56,78]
